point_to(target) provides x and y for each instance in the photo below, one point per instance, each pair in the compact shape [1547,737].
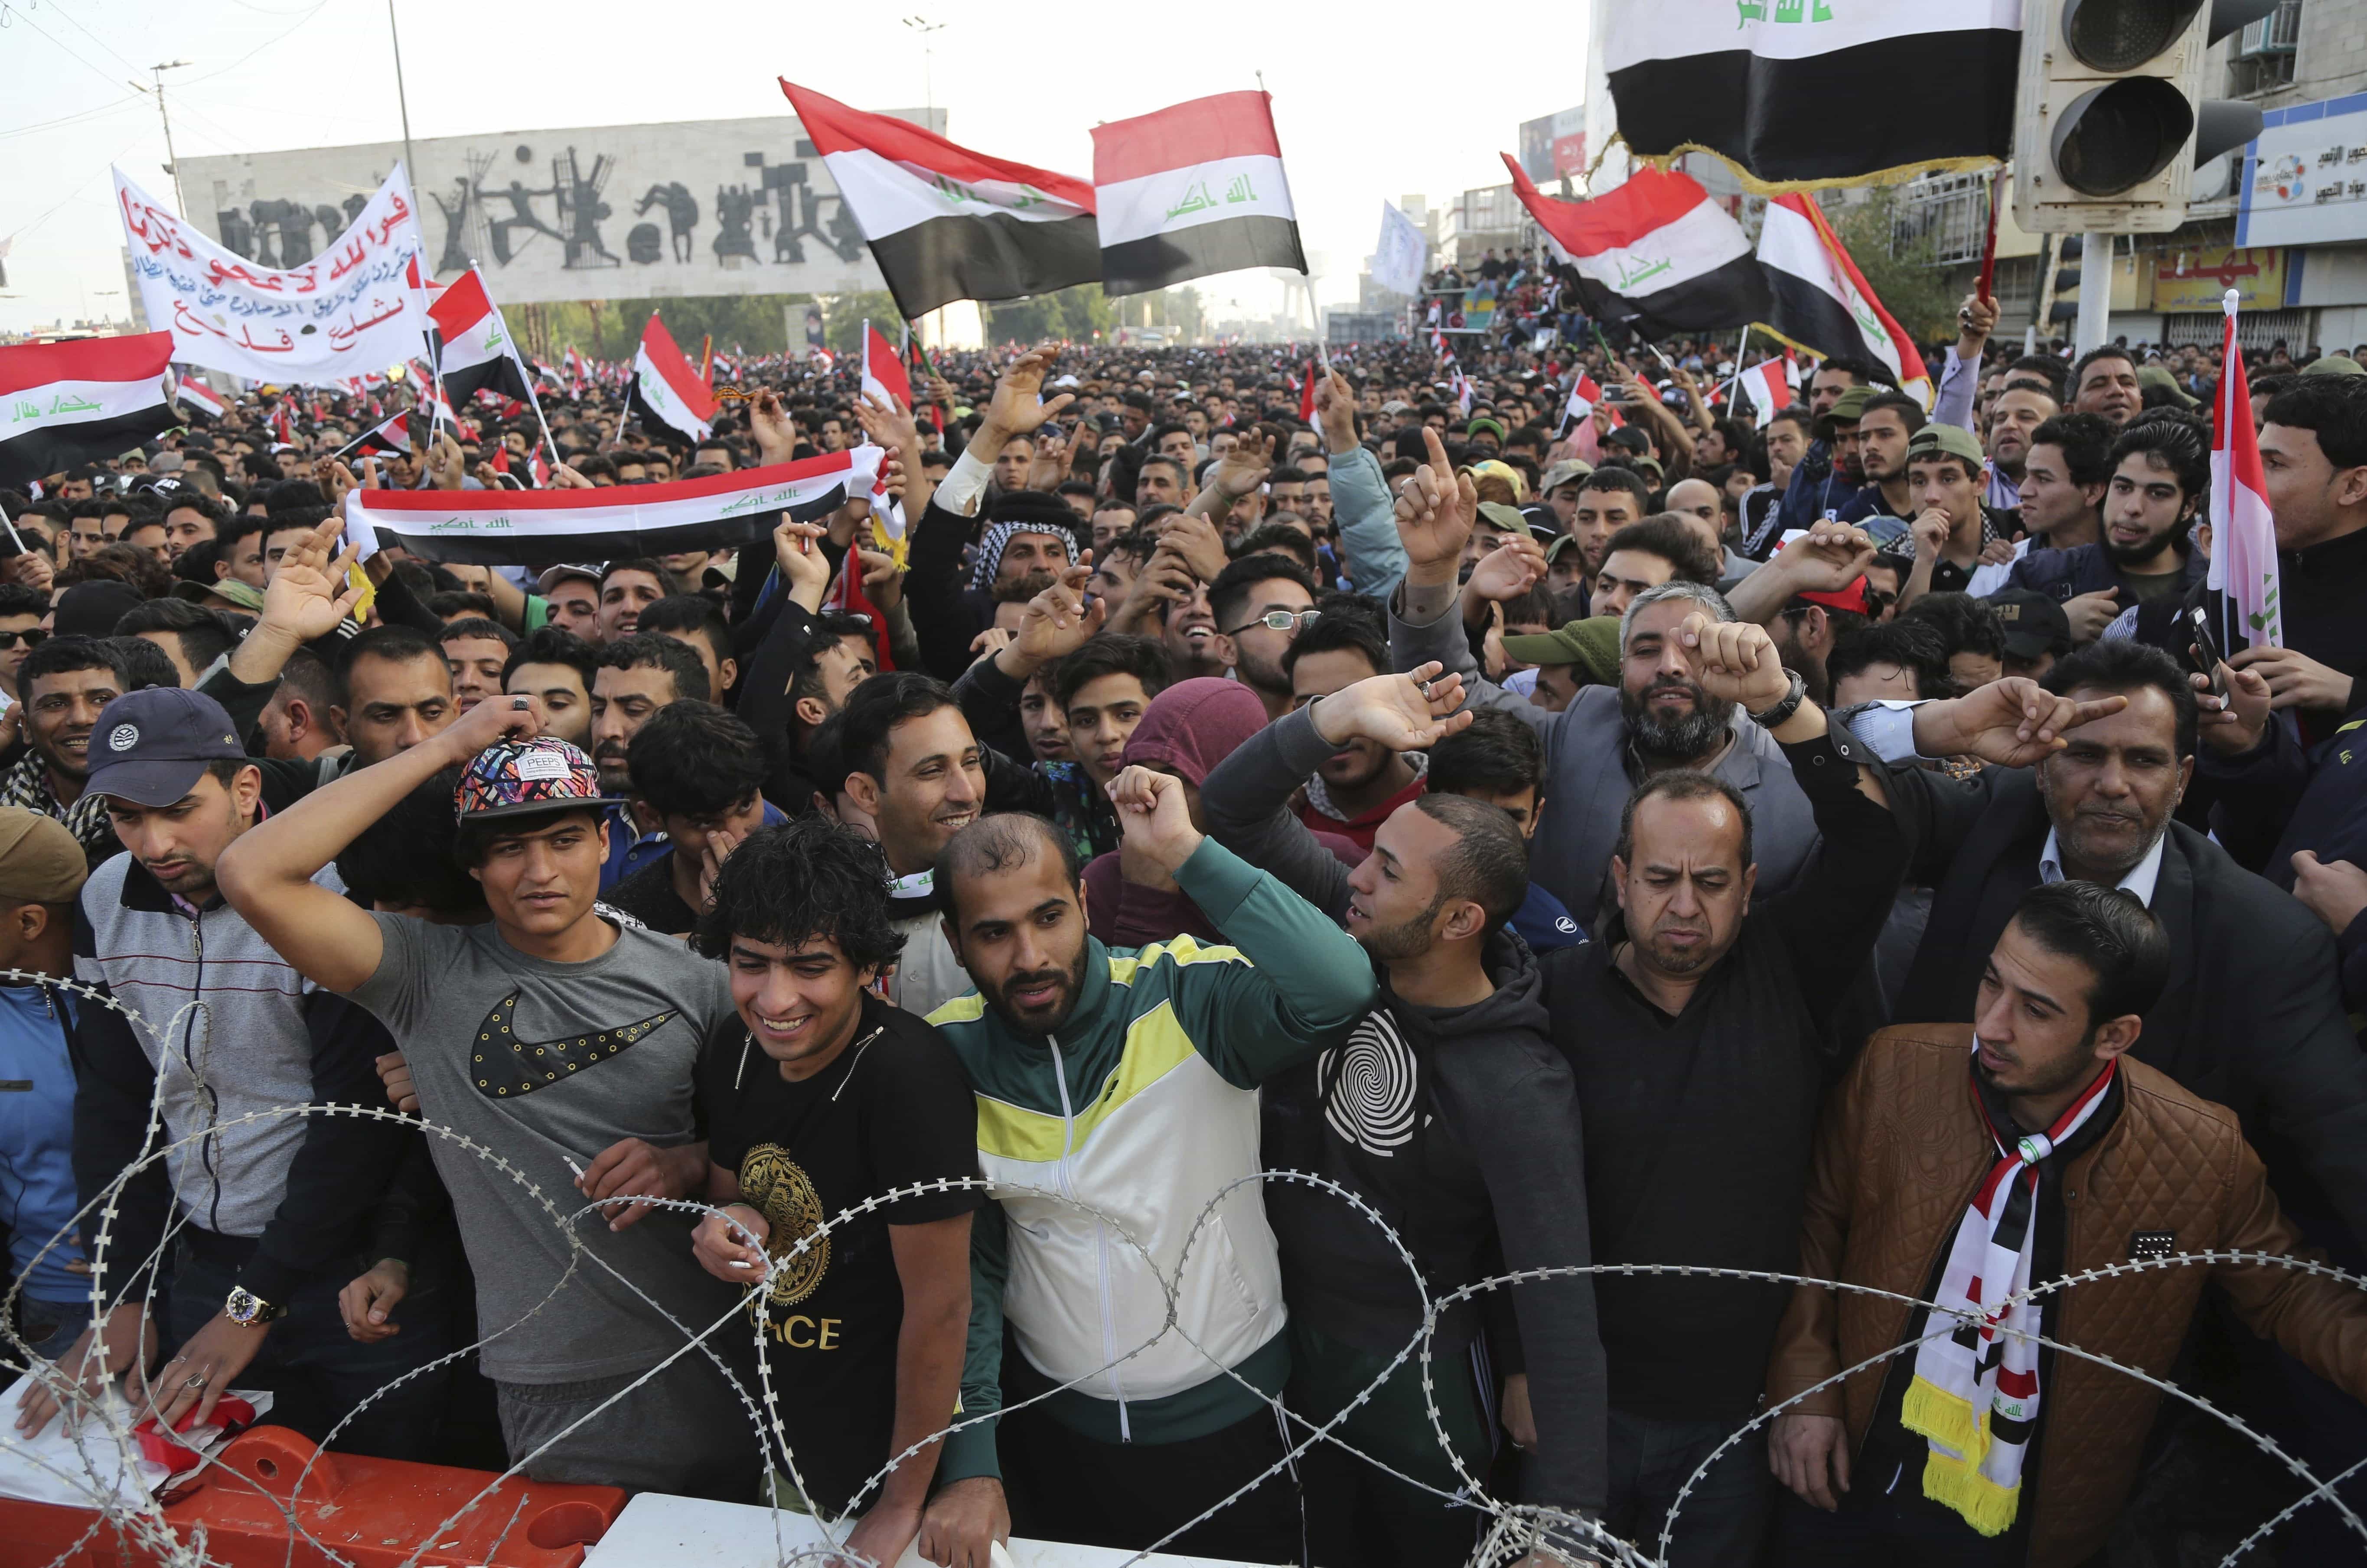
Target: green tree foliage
[1073,313]
[843,316]
[1900,267]
[609,329]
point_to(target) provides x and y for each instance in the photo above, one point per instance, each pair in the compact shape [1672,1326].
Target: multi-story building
[2283,222]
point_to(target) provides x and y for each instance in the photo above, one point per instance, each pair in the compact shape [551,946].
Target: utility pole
[402,99]
[2095,291]
[923,27]
[172,159]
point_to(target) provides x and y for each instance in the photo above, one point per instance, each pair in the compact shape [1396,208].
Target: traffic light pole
[2095,291]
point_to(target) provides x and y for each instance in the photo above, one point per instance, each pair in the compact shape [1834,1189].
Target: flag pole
[548,439]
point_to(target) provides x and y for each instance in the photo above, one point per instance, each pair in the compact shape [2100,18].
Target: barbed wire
[1512,1531]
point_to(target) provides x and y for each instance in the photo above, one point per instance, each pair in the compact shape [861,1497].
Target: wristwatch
[250,1311]
[1771,718]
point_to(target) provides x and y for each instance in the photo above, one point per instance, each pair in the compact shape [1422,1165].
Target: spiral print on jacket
[1369,1085]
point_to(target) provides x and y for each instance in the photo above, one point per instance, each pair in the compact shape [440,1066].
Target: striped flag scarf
[1975,1394]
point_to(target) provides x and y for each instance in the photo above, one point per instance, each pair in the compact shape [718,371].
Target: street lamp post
[172,159]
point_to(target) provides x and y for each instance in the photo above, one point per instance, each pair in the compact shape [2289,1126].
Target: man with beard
[2160,469]
[1886,422]
[2253,1018]
[1117,1095]
[638,676]
[1261,603]
[62,686]
[1360,787]
[1608,501]
[1605,742]
[2104,383]
[1028,531]
[1448,1112]
[1826,476]
[560,668]
[268,1209]
[1699,1027]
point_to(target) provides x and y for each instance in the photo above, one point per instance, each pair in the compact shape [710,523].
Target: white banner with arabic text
[354,309]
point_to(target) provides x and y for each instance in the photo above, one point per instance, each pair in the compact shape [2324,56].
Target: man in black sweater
[1449,1113]
[1699,1033]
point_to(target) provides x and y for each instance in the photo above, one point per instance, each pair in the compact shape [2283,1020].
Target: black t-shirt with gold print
[893,1111]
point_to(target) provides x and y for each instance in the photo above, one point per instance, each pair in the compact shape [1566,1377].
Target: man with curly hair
[819,1096]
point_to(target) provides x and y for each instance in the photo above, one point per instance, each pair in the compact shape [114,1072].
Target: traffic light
[2110,119]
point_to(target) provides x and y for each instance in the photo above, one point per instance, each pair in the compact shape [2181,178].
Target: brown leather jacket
[1900,1151]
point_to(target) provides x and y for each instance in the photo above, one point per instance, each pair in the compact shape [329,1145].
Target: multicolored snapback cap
[512,778]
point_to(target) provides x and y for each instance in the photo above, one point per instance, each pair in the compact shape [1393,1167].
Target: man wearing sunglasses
[1261,603]
[21,610]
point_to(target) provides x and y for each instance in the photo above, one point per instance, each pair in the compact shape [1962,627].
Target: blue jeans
[1724,1521]
[319,1373]
[50,1328]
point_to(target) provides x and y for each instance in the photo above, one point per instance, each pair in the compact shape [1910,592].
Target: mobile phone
[2208,644]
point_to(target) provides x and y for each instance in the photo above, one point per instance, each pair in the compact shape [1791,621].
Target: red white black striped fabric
[664,387]
[477,353]
[383,439]
[198,398]
[1819,302]
[64,404]
[1772,384]
[1731,75]
[506,527]
[2243,535]
[1190,190]
[883,371]
[1656,251]
[943,223]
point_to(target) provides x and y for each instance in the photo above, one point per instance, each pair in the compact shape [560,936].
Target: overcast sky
[1365,110]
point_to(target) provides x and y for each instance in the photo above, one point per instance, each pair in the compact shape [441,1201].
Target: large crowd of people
[1686,921]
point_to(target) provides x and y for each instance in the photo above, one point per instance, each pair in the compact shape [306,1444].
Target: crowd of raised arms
[1853,856]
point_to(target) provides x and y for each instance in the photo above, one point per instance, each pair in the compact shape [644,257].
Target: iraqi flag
[198,398]
[477,353]
[1583,395]
[507,527]
[385,439]
[1193,190]
[883,371]
[2243,536]
[64,404]
[664,388]
[945,223]
[1656,252]
[1819,302]
[1929,83]
[1770,385]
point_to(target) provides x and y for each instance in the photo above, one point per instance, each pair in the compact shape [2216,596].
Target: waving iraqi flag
[1192,190]
[1656,251]
[943,223]
[63,404]
[506,527]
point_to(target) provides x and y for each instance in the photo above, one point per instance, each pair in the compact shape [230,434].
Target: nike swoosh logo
[503,1065]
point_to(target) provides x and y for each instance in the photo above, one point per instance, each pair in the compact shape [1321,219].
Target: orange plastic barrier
[371,1512]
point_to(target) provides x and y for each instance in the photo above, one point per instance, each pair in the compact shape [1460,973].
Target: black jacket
[1459,1126]
[2252,1016]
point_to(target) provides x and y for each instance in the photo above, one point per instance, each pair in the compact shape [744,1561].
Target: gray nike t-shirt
[543,1063]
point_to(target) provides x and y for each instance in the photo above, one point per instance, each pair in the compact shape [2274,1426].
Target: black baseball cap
[2034,623]
[152,745]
